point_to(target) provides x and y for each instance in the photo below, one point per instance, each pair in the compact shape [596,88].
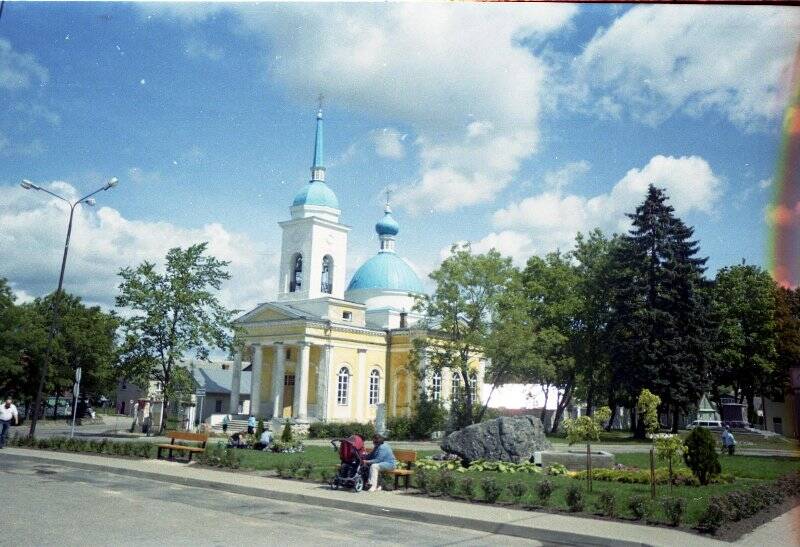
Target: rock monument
[509,439]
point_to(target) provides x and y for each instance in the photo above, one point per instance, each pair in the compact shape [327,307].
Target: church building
[327,349]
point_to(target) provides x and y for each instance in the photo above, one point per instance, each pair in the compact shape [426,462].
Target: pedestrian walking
[225,421]
[251,425]
[728,441]
[147,419]
[8,412]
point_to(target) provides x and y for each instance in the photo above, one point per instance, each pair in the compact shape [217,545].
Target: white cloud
[195,48]
[459,76]
[656,60]
[550,220]
[765,183]
[566,175]
[103,241]
[389,143]
[19,70]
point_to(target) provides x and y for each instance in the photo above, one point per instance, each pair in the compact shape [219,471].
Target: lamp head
[90,201]
[112,183]
[28,185]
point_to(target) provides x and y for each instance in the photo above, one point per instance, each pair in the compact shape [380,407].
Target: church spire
[387,228]
[318,169]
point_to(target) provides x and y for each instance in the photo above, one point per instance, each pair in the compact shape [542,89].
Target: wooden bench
[201,438]
[405,459]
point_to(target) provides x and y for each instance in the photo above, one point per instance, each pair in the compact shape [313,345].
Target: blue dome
[387,226]
[316,193]
[386,271]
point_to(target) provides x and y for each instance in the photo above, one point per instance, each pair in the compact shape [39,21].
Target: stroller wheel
[334,484]
[358,484]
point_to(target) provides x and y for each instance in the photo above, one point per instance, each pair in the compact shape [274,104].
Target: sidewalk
[555,528]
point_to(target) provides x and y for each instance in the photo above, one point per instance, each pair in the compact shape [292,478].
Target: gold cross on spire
[388,195]
[320,99]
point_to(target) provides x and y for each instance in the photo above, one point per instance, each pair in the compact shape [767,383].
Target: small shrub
[607,504]
[674,508]
[325,475]
[701,456]
[281,469]
[639,506]
[399,428]
[544,489]
[421,479]
[517,489]
[433,483]
[286,435]
[715,515]
[447,484]
[468,489]
[557,469]
[306,470]
[259,428]
[295,466]
[491,490]
[336,430]
[574,498]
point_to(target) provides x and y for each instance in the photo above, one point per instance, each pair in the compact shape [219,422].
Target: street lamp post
[87,199]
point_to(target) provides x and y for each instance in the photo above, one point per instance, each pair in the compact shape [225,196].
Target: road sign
[78,375]
[201,392]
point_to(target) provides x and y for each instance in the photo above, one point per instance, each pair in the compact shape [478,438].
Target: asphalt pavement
[50,504]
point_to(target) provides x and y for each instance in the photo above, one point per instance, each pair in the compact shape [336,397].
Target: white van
[708,424]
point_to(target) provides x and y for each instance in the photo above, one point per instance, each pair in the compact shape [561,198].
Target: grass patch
[742,467]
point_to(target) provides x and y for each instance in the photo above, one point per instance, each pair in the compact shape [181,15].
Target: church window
[436,385]
[455,384]
[374,387]
[327,275]
[343,386]
[297,274]
[473,385]
[347,315]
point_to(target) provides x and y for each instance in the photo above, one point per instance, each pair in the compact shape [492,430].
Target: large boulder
[509,439]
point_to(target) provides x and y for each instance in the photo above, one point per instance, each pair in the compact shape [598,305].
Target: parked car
[708,424]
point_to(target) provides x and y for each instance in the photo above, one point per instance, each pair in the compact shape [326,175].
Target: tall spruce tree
[660,328]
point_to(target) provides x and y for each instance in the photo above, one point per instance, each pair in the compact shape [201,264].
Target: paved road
[91,508]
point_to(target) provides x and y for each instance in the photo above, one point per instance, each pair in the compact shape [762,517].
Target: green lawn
[745,467]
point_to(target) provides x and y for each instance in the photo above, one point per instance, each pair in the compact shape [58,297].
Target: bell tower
[314,245]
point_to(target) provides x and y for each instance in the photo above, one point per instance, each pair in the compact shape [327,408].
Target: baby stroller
[353,472]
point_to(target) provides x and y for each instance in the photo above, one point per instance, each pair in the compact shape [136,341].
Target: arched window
[455,386]
[343,386]
[436,385]
[473,385]
[297,273]
[374,387]
[327,275]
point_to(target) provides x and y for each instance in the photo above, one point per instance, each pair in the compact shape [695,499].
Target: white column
[425,373]
[301,382]
[360,388]
[323,381]
[278,372]
[447,386]
[255,381]
[236,382]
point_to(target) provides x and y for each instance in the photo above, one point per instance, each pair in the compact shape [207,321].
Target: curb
[525,532]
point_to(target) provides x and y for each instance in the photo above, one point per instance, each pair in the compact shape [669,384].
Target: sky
[508,126]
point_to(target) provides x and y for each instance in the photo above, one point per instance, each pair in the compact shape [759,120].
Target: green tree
[171,314]
[86,338]
[660,332]
[744,302]
[592,256]
[701,456]
[550,287]
[459,316]
[587,429]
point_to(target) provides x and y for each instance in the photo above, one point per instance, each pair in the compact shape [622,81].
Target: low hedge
[681,477]
[66,444]
[741,504]
[334,430]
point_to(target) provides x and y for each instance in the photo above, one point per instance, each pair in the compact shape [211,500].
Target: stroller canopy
[351,448]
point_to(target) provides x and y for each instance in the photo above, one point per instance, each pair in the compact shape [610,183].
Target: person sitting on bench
[380,459]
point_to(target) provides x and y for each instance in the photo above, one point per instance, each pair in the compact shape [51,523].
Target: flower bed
[65,444]
[680,477]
